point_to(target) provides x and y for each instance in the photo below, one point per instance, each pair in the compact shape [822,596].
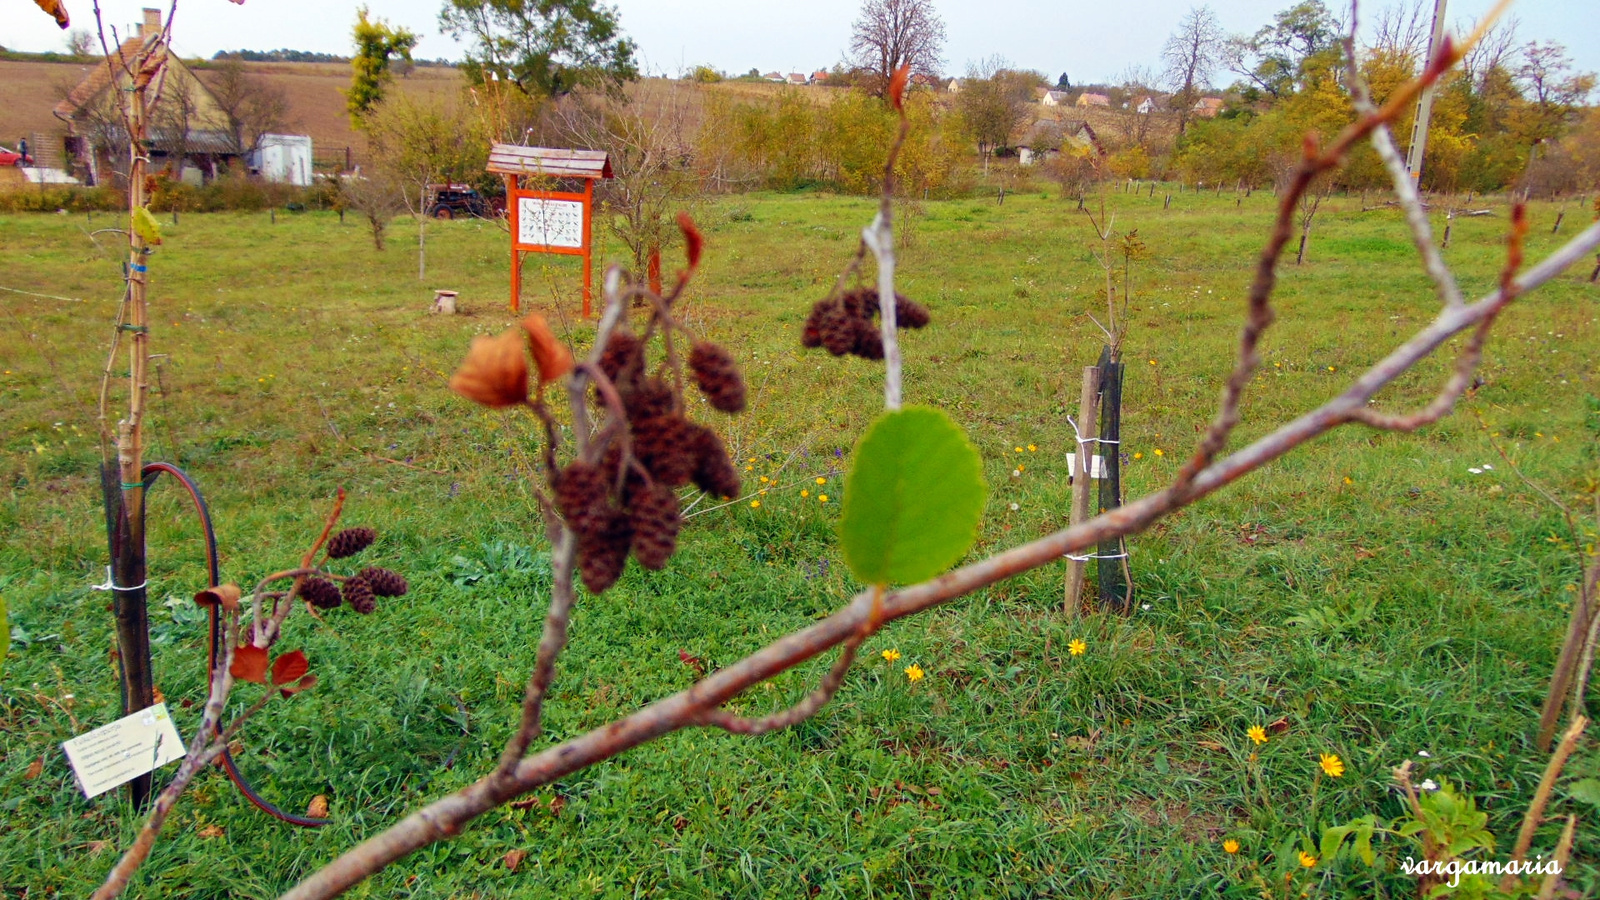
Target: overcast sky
[1091,41]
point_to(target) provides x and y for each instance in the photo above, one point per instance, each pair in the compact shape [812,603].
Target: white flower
[1144,606]
[1424,754]
[1015,507]
[1475,470]
[1486,466]
[1429,785]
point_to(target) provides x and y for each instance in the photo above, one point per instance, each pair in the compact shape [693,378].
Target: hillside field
[1382,597]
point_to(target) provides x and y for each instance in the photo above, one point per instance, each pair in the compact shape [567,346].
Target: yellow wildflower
[1138,456]
[1230,845]
[891,655]
[822,498]
[821,480]
[1076,647]
[755,504]
[805,493]
[1159,452]
[1307,859]
[1332,764]
[1257,734]
[914,672]
[1033,448]
[1018,449]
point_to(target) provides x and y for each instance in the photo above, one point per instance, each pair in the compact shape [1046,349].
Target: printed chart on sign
[549,223]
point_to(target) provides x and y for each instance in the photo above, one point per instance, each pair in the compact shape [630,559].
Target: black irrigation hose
[151,472]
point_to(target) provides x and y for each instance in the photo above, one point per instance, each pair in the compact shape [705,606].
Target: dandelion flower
[1033,448]
[1333,368]
[1230,846]
[765,479]
[891,655]
[1257,734]
[755,504]
[1332,764]
[1159,452]
[1018,449]
[1152,362]
[1076,647]
[1307,859]
[1021,468]
[1138,456]
[821,480]
[1348,480]
[804,492]
[822,498]
[914,672]
[749,468]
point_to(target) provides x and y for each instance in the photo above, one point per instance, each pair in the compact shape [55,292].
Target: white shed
[284,158]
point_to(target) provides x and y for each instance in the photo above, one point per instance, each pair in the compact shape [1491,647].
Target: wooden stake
[1088,417]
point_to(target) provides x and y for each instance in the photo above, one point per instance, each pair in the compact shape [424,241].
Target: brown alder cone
[321,593]
[581,495]
[669,447]
[623,358]
[495,372]
[385,582]
[714,471]
[869,340]
[358,593]
[603,553]
[552,356]
[837,329]
[350,541]
[654,515]
[718,377]
[649,397]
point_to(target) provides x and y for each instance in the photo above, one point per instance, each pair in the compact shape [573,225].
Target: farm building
[1054,98]
[1147,106]
[187,134]
[1086,100]
[284,158]
[1208,107]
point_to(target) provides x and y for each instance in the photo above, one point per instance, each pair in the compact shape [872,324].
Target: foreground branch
[446,817]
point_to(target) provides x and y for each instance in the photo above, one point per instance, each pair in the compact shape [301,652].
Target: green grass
[1432,598]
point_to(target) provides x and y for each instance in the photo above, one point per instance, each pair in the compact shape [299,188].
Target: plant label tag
[1097,465]
[117,753]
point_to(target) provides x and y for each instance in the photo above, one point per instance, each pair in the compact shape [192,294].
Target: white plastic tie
[111,584]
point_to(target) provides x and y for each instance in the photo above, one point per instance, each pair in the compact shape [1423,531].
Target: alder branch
[446,817]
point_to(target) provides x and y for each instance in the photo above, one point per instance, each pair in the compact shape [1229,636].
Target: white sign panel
[549,223]
[122,751]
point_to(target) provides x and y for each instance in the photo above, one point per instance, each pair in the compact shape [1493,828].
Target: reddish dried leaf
[57,10]
[317,808]
[557,804]
[249,664]
[212,831]
[514,858]
[34,768]
[1278,727]
[897,86]
[289,667]
[225,595]
[495,372]
[549,354]
[306,683]
[693,662]
[525,803]
[692,241]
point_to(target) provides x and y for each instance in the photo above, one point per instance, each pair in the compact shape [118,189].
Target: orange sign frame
[515,193]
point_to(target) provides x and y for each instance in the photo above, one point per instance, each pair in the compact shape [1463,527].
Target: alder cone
[603,553]
[623,358]
[581,496]
[909,313]
[650,397]
[385,582]
[718,377]
[358,593]
[350,541]
[668,446]
[714,471]
[860,303]
[654,517]
[321,593]
[837,330]
[869,340]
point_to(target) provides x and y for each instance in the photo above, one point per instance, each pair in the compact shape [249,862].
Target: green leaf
[1587,790]
[146,226]
[913,498]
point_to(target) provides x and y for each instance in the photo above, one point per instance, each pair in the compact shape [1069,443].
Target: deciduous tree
[250,105]
[545,47]
[376,42]
[1191,55]
[893,33]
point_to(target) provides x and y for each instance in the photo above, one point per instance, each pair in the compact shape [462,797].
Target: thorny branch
[700,704]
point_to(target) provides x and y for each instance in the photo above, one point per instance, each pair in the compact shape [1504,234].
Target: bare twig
[1541,796]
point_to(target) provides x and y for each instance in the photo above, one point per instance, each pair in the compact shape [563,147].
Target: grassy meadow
[1374,596]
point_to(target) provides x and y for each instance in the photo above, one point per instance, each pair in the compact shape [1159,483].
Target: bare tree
[1191,55]
[1493,52]
[80,42]
[653,163]
[1401,31]
[251,105]
[893,33]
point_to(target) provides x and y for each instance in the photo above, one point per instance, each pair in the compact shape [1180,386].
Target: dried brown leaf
[549,354]
[514,858]
[318,807]
[495,372]
[250,664]
[212,831]
[225,595]
[34,769]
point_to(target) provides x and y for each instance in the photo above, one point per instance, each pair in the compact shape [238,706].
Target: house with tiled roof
[187,135]
[1208,107]
[1086,100]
